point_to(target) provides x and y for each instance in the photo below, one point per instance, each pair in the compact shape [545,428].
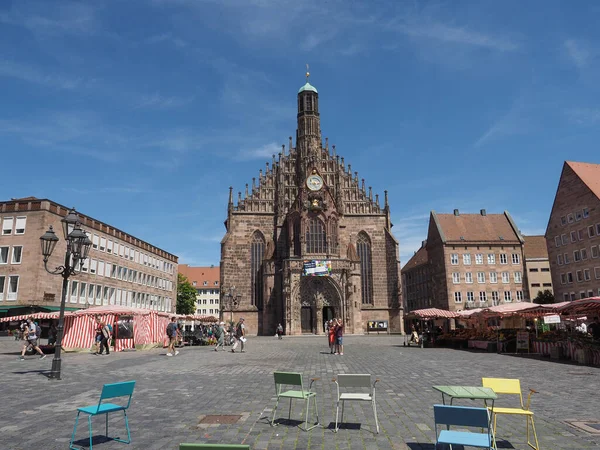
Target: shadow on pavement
[418,446]
[344,426]
[44,372]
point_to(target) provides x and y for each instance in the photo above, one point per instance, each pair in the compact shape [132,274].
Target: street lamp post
[78,248]
[231,301]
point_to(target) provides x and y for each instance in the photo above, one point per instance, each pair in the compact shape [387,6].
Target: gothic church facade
[308,206]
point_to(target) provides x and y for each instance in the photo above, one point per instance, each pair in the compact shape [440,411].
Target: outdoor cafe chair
[294,379]
[109,391]
[513,386]
[361,380]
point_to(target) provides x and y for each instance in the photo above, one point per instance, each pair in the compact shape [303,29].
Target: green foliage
[544,298]
[186,296]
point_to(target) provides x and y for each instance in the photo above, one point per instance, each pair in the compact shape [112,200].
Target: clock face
[314,182]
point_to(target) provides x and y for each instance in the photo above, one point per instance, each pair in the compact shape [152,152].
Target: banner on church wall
[316,268]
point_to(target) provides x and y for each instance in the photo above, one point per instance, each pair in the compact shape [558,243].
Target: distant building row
[206,281]
[475,260]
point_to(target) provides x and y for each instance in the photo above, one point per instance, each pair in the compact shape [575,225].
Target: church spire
[308,133]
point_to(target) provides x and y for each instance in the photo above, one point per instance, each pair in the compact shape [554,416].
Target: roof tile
[477,227]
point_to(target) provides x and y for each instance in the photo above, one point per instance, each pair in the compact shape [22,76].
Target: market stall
[133,328]
[432,322]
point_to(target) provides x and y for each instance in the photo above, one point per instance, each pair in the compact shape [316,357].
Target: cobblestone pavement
[173,394]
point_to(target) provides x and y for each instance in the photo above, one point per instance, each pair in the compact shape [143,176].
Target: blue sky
[142,113]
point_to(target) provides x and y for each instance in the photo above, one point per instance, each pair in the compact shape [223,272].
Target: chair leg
[306,427]
[74,430]
[90,428]
[118,439]
[537,445]
[106,415]
[274,411]
[375,413]
[290,411]
[343,404]
[494,430]
[337,410]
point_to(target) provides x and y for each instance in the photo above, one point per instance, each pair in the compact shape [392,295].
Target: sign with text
[377,325]
[523,340]
[316,268]
[552,319]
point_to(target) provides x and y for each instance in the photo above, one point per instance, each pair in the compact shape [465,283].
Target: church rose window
[257,252]
[363,247]
[316,238]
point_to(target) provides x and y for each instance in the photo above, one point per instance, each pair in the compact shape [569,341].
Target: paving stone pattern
[173,394]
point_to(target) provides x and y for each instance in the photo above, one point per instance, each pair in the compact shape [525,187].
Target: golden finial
[307,73]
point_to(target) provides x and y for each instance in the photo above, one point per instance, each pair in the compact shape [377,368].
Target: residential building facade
[473,260]
[573,233]
[206,281]
[121,269]
[308,213]
[537,275]
[416,281]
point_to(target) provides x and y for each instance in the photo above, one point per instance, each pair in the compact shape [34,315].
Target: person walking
[331,336]
[339,337]
[220,335]
[106,338]
[279,331]
[98,337]
[240,335]
[172,334]
[31,336]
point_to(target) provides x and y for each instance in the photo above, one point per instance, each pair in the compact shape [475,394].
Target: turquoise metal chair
[109,391]
[213,447]
[294,379]
[464,416]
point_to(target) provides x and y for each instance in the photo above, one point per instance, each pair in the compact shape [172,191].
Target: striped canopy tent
[38,316]
[203,319]
[433,313]
[508,309]
[149,327]
[469,313]
[585,306]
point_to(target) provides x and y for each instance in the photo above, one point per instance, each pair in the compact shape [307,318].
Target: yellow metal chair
[512,386]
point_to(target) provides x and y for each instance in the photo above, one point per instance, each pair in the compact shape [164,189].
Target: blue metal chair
[465,417]
[109,391]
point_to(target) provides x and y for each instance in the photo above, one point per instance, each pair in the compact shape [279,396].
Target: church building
[308,242]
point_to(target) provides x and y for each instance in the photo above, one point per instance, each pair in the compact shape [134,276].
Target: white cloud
[450,34]
[514,122]
[577,52]
[169,38]
[34,75]
[158,101]
[584,116]
[263,152]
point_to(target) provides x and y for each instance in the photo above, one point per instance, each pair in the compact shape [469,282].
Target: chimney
[423,243]
[483,213]
[456,213]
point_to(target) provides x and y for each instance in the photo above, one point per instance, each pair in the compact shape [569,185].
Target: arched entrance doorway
[318,300]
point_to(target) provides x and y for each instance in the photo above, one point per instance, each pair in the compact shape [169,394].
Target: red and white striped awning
[587,306]
[433,313]
[39,316]
[200,318]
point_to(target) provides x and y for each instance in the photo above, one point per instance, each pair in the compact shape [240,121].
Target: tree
[186,296]
[544,298]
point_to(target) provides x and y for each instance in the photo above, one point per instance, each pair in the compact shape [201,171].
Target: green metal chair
[295,379]
[109,391]
[213,447]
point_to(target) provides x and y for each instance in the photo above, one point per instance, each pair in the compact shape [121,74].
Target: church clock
[314,182]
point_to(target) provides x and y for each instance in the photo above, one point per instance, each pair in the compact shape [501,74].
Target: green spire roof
[308,87]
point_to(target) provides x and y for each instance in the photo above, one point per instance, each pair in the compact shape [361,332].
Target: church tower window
[363,247]
[257,252]
[316,238]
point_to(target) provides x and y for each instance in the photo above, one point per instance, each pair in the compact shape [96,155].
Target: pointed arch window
[257,252]
[316,237]
[333,235]
[363,248]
